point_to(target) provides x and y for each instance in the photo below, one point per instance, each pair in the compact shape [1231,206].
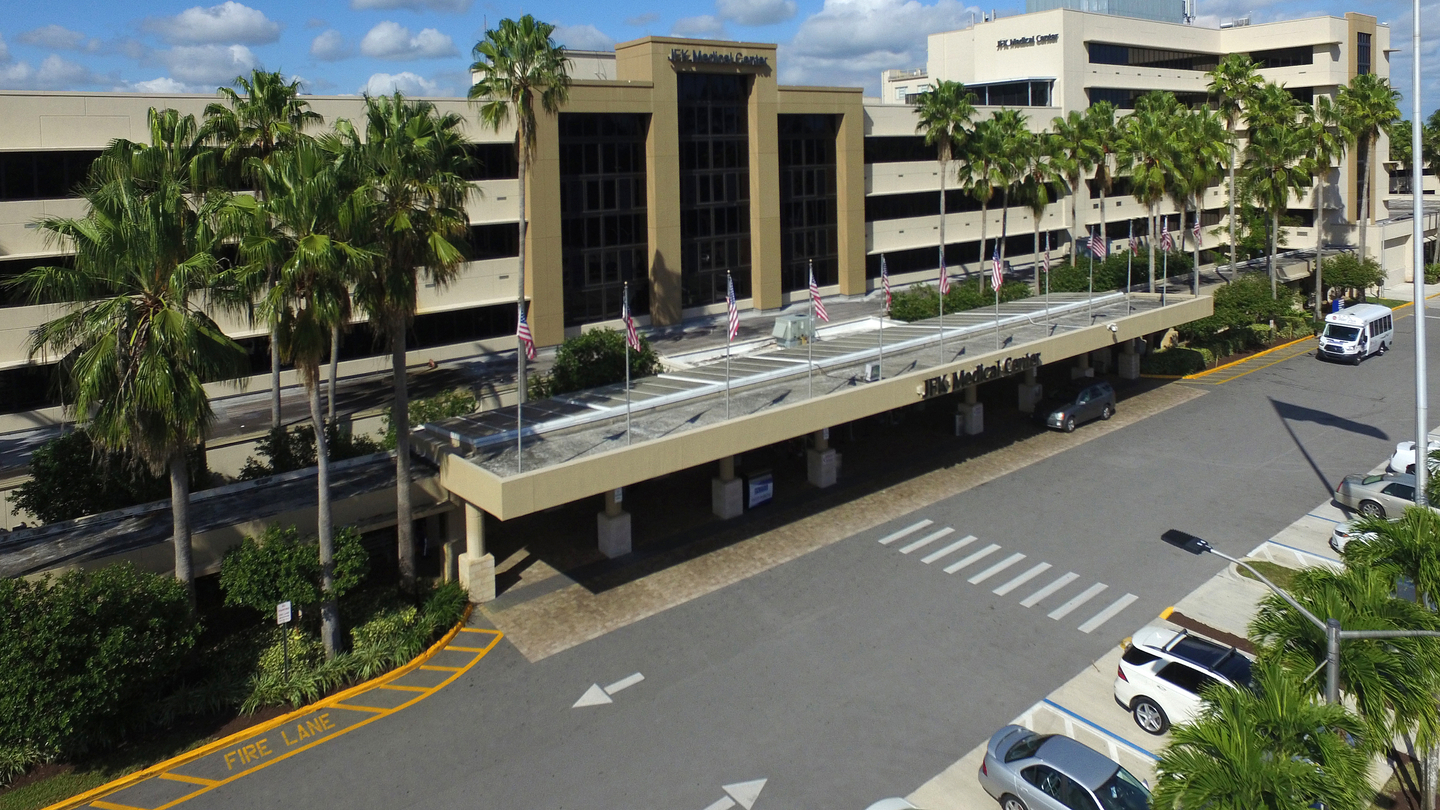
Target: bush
[279,566]
[455,402]
[1176,362]
[283,451]
[82,655]
[922,301]
[1112,273]
[593,359]
[70,477]
[1347,272]
[1432,274]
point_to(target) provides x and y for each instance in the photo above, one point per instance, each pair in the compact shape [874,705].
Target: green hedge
[592,359]
[455,402]
[1432,274]
[922,301]
[1176,362]
[281,566]
[1111,273]
[70,478]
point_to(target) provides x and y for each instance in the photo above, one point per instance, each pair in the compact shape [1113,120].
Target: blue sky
[423,46]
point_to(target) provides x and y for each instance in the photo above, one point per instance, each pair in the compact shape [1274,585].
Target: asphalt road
[858,671]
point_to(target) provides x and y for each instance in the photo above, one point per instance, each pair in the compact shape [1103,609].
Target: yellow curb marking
[194,780]
[464,649]
[442,669]
[399,688]
[1165,614]
[94,797]
[1197,375]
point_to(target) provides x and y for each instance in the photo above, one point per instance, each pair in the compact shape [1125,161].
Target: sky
[423,47]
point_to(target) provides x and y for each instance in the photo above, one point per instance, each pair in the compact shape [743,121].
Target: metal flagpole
[810,341]
[628,327]
[995,284]
[885,310]
[945,288]
[1165,267]
[1090,302]
[1047,277]
[520,398]
[1129,265]
[729,334]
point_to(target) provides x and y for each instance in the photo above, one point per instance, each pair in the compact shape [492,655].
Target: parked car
[1403,459]
[1074,405]
[1028,771]
[1162,673]
[1377,495]
[1345,534]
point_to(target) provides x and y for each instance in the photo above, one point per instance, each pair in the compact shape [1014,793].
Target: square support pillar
[612,527]
[727,493]
[477,568]
[1103,359]
[971,418]
[1082,368]
[1030,396]
[822,467]
[1129,361]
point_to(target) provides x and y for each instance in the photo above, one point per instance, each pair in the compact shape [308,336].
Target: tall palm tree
[268,116]
[1274,159]
[1074,152]
[1037,173]
[139,342]
[412,163]
[1270,748]
[1148,155]
[1013,139]
[1368,105]
[1109,138]
[1232,83]
[517,64]
[1326,137]
[983,171]
[1203,145]
[944,114]
[306,214]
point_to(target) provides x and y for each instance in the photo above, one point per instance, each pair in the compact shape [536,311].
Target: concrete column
[822,463]
[1103,359]
[1129,361]
[477,568]
[433,536]
[613,526]
[452,533]
[727,493]
[1082,367]
[970,413]
[1031,392]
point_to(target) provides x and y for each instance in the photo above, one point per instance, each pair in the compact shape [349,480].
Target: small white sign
[825,433]
[620,495]
[282,613]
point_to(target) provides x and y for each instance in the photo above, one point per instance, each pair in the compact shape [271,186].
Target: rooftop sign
[686,56]
[1027,42]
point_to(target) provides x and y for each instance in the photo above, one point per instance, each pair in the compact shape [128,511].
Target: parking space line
[104,805]
[1108,613]
[953,547]
[979,555]
[995,569]
[194,780]
[1079,599]
[1322,517]
[442,669]
[399,688]
[359,708]
[466,649]
[927,540]
[1034,599]
[1103,730]
[1034,571]
[890,538]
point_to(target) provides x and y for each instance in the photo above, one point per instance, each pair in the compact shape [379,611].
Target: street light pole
[1417,239]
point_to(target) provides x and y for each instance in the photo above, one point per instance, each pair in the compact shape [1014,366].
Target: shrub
[70,477]
[1112,273]
[279,566]
[922,301]
[283,450]
[1432,274]
[593,359]
[455,402]
[1347,272]
[1176,362]
[81,655]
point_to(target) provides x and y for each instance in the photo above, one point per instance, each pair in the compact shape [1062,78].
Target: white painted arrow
[598,696]
[746,792]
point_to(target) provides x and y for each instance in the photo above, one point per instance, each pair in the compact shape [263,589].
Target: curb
[216,745]
[1197,375]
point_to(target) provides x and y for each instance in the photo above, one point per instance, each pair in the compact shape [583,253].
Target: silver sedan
[1029,771]
[1377,495]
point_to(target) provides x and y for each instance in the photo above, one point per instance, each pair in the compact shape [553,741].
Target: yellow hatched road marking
[442,669]
[194,780]
[467,649]
[400,688]
[104,805]
[360,708]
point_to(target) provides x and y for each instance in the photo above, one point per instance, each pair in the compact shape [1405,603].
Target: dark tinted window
[1199,650]
[493,161]
[1026,747]
[898,149]
[1236,668]
[42,175]
[1186,677]
[1400,491]
[1137,656]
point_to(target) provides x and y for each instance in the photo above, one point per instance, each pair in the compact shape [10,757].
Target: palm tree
[1326,137]
[1149,154]
[516,64]
[305,212]
[1037,175]
[140,346]
[1073,152]
[984,169]
[1012,138]
[1233,82]
[1270,748]
[944,115]
[1368,106]
[269,116]
[1273,158]
[1198,167]
[411,163]
[1109,139]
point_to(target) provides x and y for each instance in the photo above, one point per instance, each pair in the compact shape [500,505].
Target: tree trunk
[400,418]
[1150,227]
[1364,197]
[1232,206]
[329,607]
[944,164]
[1432,772]
[1004,228]
[180,518]
[274,381]
[1274,232]
[334,368]
[521,391]
[1195,256]
[1037,263]
[1319,241]
[1074,218]
[984,216]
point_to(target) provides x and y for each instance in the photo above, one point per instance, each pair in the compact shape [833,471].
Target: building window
[499,241]
[1104,53]
[1362,54]
[1012,94]
[900,93]
[808,231]
[492,161]
[897,149]
[714,186]
[1124,98]
[603,224]
[43,175]
[1284,57]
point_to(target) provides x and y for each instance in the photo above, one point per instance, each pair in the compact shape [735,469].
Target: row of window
[960,257]
[578,159]
[604,194]
[1104,53]
[607,231]
[1013,94]
[1125,98]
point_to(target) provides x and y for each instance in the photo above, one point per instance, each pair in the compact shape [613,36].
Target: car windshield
[1338,332]
[1123,792]
[1026,747]
[1372,479]
[1065,394]
[1236,668]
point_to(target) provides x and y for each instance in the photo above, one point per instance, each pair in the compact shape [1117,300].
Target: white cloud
[457,6]
[164,85]
[4,51]
[389,40]
[315,22]
[848,42]
[582,38]
[209,64]
[60,38]
[226,23]
[383,84]
[756,12]
[331,46]
[54,73]
[641,20]
[702,27]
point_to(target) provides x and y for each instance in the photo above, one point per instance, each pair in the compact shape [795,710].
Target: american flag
[1134,245]
[996,271]
[1047,253]
[815,298]
[885,282]
[631,336]
[944,277]
[1195,229]
[522,331]
[1097,245]
[1166,244]
[732,308]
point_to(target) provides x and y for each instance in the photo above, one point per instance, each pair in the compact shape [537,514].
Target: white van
[1357,332]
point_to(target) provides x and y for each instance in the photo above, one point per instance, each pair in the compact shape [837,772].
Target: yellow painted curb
[1197,375]
[1165,614]
[1163,376]
[210,748]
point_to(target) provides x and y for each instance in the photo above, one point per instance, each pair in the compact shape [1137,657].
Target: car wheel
[1357,359]
[1008,802]
[1371,509]
[1384,347]
[1149,716]
[1107,412]
[1069,424]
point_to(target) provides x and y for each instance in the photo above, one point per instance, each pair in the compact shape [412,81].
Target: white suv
[1163,671]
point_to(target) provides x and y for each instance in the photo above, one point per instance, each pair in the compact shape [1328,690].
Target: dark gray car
[1028,771]
[1076,404]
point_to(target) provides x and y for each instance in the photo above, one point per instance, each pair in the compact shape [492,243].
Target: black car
[1076,404]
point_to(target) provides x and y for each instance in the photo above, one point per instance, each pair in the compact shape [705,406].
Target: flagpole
[1129,265]
[942,296]
[810,341]
[519,403]
[1090,302]
[997,311]
[730,291]
[1047,277]
[884,310]
[627,362]
[1165,268]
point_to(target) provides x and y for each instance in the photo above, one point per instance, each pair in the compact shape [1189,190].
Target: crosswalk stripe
[1034,599]
[979,555]
[890,538]
[1080,599]
[1108,613]
[1035,571]
[926,540]
[955,546]
[995,569]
